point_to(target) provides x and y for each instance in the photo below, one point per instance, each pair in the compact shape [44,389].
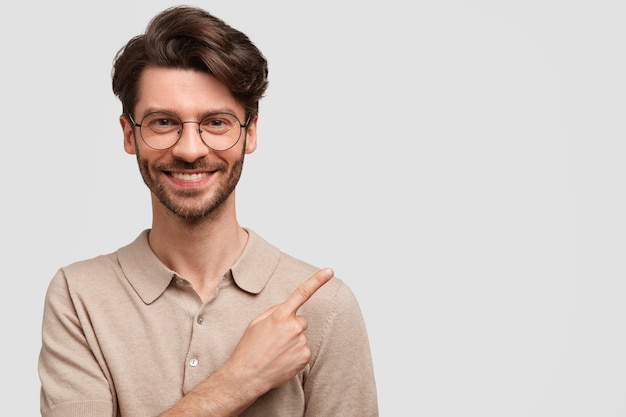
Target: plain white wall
[458,163]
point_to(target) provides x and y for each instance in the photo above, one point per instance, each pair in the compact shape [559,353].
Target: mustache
[178,165]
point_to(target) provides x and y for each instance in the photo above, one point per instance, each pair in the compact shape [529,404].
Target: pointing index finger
[305,290]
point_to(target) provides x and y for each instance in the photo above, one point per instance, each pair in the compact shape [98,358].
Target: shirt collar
[256,264]
[149,277]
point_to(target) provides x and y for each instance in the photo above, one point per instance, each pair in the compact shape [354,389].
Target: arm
[340,381]
[76,379]
[68,368]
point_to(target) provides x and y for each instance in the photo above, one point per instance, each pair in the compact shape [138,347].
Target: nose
[190,146]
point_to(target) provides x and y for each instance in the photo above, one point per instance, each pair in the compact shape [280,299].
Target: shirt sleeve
[73,378]
[341,378]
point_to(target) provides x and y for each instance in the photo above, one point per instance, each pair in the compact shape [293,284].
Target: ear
[251,135]
[129,137]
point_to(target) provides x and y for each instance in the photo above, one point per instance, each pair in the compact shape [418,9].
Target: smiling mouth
[189,177]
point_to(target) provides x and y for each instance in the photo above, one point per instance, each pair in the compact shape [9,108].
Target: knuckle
[304,292]
[306,354]
[295,328]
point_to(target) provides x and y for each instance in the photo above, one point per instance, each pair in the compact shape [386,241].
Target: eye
[219,123]
[161,122]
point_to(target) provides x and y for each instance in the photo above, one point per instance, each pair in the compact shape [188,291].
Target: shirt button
[180,282]
[193,362]
[200,319]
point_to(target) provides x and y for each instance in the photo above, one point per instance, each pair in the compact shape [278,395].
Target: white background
[458,163]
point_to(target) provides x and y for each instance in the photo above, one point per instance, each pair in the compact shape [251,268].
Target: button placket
[194,360]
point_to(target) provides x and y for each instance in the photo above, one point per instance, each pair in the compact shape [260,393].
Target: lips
[189,177]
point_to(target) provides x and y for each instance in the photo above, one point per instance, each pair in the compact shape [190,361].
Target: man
[199,316]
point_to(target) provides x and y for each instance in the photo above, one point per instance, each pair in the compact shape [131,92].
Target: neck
[202,251]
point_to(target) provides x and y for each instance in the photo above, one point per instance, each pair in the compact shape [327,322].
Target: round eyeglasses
[162,130]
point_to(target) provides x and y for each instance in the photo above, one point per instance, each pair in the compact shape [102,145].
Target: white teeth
[189,177]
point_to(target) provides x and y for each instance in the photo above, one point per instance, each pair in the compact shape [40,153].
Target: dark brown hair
[191,38]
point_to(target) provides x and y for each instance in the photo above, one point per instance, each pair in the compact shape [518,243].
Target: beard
[187,205]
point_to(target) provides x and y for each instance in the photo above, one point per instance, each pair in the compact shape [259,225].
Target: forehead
[183,91]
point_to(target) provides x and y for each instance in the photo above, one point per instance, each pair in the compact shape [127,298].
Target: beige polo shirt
[123,335]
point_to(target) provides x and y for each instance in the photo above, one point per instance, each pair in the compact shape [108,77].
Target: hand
[273,347]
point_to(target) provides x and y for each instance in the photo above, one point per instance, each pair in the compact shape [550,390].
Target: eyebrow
[201,115]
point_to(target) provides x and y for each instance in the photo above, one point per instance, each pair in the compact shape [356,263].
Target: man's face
[189,179]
